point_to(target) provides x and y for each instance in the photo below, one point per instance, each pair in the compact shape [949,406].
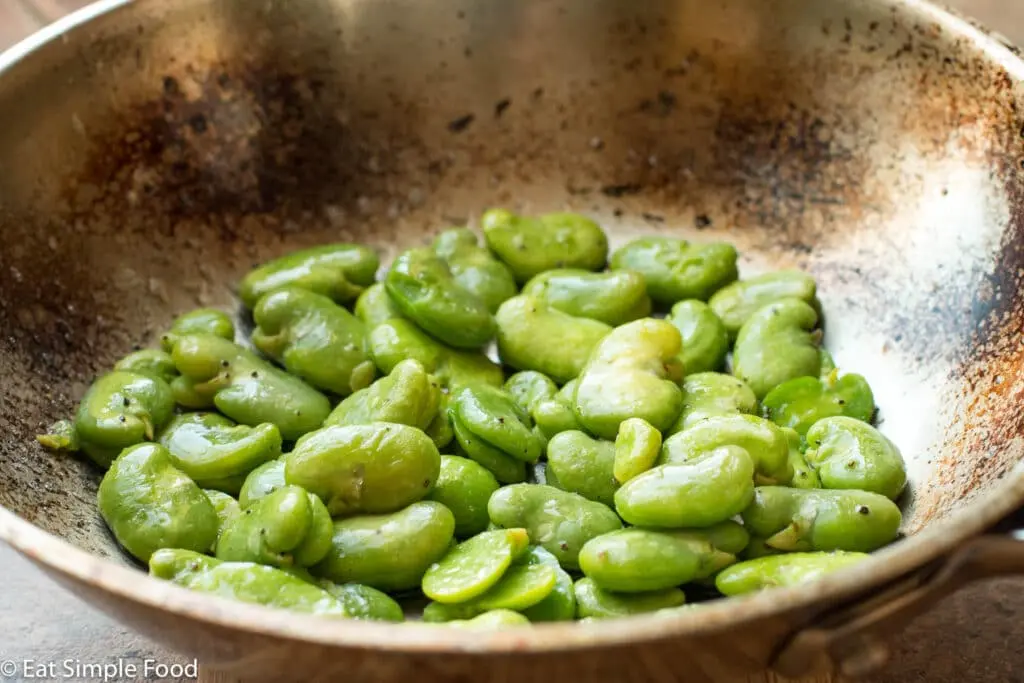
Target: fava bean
[339,271]
[776,344]
[464,487]
[227,509]
[711,394]
[261,482]
[850,454]
[792,569]
[199,321]
[705,339]
[676,269]
[408,395]
[804,476]
[364,602]
[764,441]
[149,362]
[491,416]
[472,567]
[596,603]
[532,245]
[560,604]
[736,302]
[614,297]
[637,448]
[474,268]
[801,402]
[584,465]
[374,306]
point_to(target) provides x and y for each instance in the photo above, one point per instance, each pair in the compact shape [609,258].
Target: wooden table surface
[974,637]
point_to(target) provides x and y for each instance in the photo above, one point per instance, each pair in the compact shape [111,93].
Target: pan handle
[854,638]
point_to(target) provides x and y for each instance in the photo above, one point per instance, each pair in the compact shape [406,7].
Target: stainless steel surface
[875,144]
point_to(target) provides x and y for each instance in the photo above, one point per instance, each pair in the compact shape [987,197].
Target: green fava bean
[373,468]
[215,452]
[735,303]
[532,245]
[339,271]
[804,476]
[261,482]
[803,401]
[793,569]
[288,528]
[374,306]
[244,581]
[729,537]
[364,602]
[494,619]
[149,362]
[120,409]
[698,493]
[248,389]
[474,268]
[227,509]
[711,394]
[199,321]
[472,567]
[505,468]
[596,603]
[528,388]
[641,560]
[522,586]
[637,447]
[395,340]
[584,465]
[464,487]
[492,417]
[149,504]
[389,552]
[315,339]
[705,339]
[776,344]
[560,605]
[408,395]
[425,291]
[631,373]
[850,454]
[555,415]
[822,519]
[440,428]
[676,269]
[526,328]
[557,520]
[764,441]
[614,297]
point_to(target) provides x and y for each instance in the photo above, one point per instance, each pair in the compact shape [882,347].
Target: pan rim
[57,556]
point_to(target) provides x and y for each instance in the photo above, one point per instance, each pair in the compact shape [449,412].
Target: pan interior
[152,156]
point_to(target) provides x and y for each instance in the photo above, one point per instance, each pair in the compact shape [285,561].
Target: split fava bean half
[315,339]
[613,297]
[631,373]
[822,519]
[532,245]
[339,271]
[423,288]
[373,468]
[472,567]
[676,269]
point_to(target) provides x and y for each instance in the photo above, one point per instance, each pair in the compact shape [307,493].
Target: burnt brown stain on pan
[212,165]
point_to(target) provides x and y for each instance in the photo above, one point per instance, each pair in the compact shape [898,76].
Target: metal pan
[151,152]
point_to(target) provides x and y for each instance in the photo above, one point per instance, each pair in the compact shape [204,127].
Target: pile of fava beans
[654,425]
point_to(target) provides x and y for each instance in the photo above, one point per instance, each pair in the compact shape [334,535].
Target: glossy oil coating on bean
[471,568]
[492,417]
[584,465]
[557,520]
[474,268]
[705,339]
[464,487]
[364,602]
[631,373]
[596,603]
[315,339]
[801,402]
[339,271]
[560,604]
[245,582]
[198,321]
[149,504]
[822,519]
[373,468]
[425,291]
[700,492]
[396,340]
[246,388]
[676,269]
[120,409]
[261,482]
[532,245]
[735,303]
[641,560]
[408,395]
[288,528]
[793,569]
[637,448]
[804,476]
[215,452]
[776,344]
[149,362]
[613,297]
[850,454]
[388,552]
[711,394]
[764,441]
[535,336]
